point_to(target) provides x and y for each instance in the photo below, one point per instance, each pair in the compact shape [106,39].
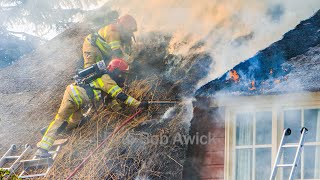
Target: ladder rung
[290,145]
[32,175]
[11,157]
[284,165]
[36,162]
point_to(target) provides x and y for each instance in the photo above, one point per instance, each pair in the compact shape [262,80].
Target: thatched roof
[288,65]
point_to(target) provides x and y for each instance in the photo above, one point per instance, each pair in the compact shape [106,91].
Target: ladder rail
[299,148]
[17,162]
[285,133]
[298,153]
[8,153]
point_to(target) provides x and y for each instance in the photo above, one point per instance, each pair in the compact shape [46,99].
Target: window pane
[312,123]
[288,157]
[244,164]
[263,163]
[263,127]
[312,162]
[244,129]
[292,120]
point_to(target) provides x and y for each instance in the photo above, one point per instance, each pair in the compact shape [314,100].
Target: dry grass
[123,156]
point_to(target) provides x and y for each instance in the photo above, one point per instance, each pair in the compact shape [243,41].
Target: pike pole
[163,102]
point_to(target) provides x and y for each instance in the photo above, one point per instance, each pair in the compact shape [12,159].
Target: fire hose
[103,142]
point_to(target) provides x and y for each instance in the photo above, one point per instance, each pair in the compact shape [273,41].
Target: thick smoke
[233,30]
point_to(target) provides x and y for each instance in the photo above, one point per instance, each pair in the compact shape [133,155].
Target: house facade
[247,109]
[253,130]
[247,133]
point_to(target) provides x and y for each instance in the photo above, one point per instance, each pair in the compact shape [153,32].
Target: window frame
[277,104]
[254,146]
[231,126]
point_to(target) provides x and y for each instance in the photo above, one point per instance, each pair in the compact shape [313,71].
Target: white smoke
[233,30]
[187,114]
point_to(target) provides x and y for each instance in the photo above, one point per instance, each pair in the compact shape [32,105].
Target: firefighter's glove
[143,105]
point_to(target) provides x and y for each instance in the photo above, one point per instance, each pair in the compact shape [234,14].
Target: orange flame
[234,75]
[271,71]
[277,81]
[253,87]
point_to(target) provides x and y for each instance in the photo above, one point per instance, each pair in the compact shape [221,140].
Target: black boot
[83,121]
[43,130]
[42,153]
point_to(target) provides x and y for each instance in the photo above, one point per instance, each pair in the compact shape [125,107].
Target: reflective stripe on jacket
[107,39]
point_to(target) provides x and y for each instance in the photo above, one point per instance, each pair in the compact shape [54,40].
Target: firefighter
[76,98]
[111,41]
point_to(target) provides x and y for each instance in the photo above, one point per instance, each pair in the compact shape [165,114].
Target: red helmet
[128,23]
[118,63]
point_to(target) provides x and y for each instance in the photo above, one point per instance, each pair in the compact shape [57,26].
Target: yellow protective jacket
[108,41]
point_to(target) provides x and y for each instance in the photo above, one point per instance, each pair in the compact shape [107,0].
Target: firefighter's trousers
[70,114]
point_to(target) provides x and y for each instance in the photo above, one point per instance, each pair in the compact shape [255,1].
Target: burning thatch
[278,68]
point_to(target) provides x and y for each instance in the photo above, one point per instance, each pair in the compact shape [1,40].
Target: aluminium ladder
[41,163]
[9,157]
[296,160]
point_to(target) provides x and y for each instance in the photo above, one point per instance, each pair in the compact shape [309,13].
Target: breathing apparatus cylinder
[90,73]
[97,67]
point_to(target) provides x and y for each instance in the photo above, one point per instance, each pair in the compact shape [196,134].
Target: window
[253,145]
[255,137]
